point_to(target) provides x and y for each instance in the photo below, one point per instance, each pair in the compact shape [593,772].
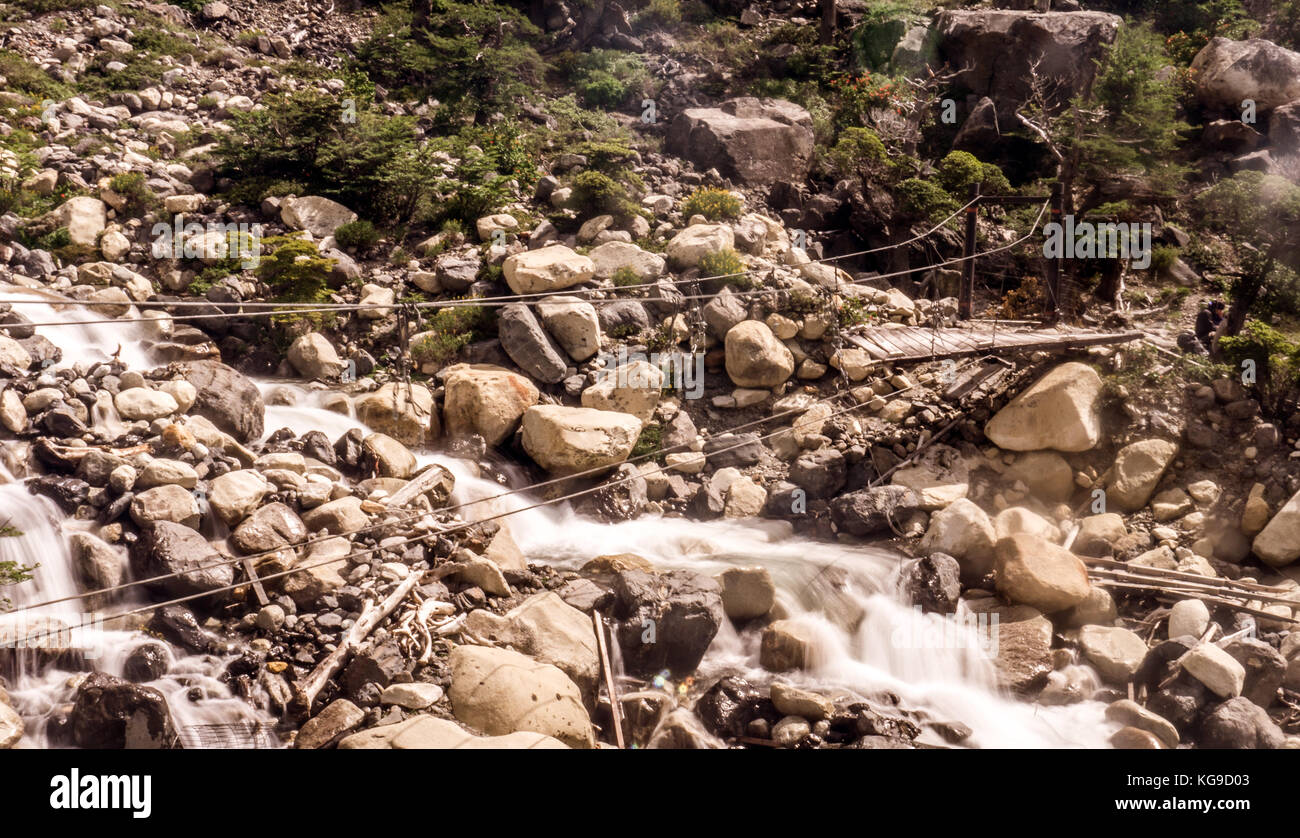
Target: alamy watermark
[965,630]
[49,633]
[1101,240]
[213,240]
[681,371]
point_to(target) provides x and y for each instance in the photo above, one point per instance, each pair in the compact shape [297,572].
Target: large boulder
[1239,723]
[610,257]
[269,528]
[632,388]
[165,503]
[1115,652]
[872,511]
[755,358]
[1228,72]
[313,356]
[547,629]
[235,494]
[424,732]
[687,248]
[549,268]
[485,400]
[568,440]
[318,216]
[1278,544]
[1032,571]
[142,403]
[1061,411]
[167,548]
[573,324]
[500,691]
[1138,468]
[404,412]
[111,714]
[529,345]
[666,620]
[754,141]
[965,532]
[227,399]
[84,217]
[997,52]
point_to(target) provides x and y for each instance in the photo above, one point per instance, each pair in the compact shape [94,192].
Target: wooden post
[607,670]
[1050,305]
[827,34]
[968,253]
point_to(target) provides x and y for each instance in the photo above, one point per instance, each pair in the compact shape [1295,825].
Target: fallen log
[306,690]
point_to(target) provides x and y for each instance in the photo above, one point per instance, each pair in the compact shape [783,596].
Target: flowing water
[868,641]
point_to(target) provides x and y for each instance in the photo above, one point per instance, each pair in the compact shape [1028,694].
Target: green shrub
[294,270]
[713,204]
[649,443]
[596,193]
[625,277]
[922,199]
[1163,258]
[453,328]
[852,312]
[726,266]
[858,151]
[359,234]
[133,187]
[605,78]
[659,13]
[961,170]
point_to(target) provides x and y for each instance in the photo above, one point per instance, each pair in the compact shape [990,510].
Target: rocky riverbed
[385,486]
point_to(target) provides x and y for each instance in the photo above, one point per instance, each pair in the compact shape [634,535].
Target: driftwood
[615,711]
[306,690]
[1183,575]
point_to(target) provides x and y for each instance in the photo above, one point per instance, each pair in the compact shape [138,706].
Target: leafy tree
[1260,215]
[475,58]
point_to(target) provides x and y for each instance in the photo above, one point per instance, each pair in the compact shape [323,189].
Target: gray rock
[529,345]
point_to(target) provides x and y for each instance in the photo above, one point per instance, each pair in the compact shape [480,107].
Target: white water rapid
[868,641]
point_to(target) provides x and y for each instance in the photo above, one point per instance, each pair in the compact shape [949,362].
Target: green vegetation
[358,235]
[961,170]
[650,442]
[295,272]
[858,153]
[132,186]
[1276,358]
[452,328]
[476,58]
[625,277]
[605,78]
[596,193]
[924,201]
[728,268]
[713,204]
[852,312]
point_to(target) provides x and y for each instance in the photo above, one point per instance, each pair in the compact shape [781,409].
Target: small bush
[596,193]
[453,328]
[625,277]
[650,442]
[660,13]
[713,204]
[726,266]
[857,151]
[961,170]
[1163,258]
[924,200]
[139,197]
[852,312]
[294,271]
[359,235]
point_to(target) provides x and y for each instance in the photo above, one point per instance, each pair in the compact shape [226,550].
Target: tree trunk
[828,22]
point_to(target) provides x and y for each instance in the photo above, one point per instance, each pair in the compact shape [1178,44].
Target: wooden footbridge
[896,343]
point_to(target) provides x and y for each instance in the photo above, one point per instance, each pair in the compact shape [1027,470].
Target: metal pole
[968,254]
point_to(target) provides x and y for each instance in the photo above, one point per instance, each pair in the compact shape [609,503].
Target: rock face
[1229,72]
[227,399]
[666,620]
[1033,571]
[1138,468]
[110,713]
[313,356]
[1061,411]
[632,388]
[755,358]
[405,413]
[546,269]
[687,248]
[485,400]
[870,511]
[529,345]
[567,440]
[755,141]
[546,629]
[318,216]
[165,548]
[1278,544]
[499,691]
[996,52]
